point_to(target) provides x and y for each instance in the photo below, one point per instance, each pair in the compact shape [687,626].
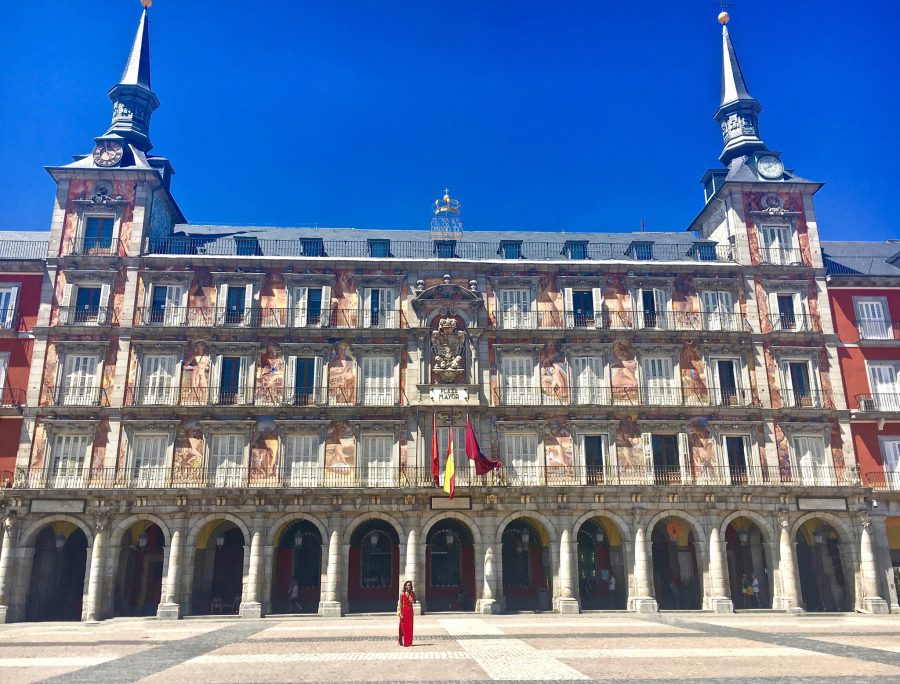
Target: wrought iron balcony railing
[12,396]
[794,323]
[65,395]
[777,256]
[87,315]
[809,399]
[265,317]
[876,329]
[622,320]
[310,475]
[173,395]
[878,402]
[885,481]
[96,246]
[11,321]
[604,395]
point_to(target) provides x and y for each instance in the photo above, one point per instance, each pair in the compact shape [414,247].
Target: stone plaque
[445,503]
[822,504]
[449,394]
[57,505]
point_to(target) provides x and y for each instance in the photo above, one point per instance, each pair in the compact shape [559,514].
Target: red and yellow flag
[449,477]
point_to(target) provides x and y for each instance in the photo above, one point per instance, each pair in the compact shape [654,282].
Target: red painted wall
[853,368]
[845,316]
[868,449]
[10,429]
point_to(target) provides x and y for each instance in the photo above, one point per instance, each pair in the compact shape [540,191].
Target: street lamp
[599,536]
[449,538]
[298,539]
[220,541]
[373,538]
[744,536]
[142,539]
[526,537]
[60,541]
[818,537]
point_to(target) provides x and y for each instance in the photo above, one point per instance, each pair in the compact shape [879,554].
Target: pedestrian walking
[611,585]
[754,586]
[294,596]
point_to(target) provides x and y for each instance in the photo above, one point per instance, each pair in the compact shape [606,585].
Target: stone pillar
[883,563]
[412,566]
[567,603]
[872,602]
[250,605]
[93,609]
[787,569]
[717,599]
[170,605]
[487,604]
[6,562]
[640,598]
[330,603]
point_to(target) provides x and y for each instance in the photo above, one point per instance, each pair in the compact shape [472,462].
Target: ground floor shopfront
[338,553]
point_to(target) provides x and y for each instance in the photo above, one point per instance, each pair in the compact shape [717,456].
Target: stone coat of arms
[447,346]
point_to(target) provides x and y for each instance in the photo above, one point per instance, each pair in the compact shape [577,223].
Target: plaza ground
[608,647]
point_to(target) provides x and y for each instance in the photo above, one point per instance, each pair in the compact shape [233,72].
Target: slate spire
[133,100]
[738,113]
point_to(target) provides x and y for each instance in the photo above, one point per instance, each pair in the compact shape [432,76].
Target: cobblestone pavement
[604,647]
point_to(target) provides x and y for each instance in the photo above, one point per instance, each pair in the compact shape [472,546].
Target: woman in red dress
[405,613]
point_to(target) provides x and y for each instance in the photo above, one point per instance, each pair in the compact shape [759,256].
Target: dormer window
[379,249]
[445,249]
[510,249]
[247,246]
[641,251]
[575,249]
[704,251]
[312,247]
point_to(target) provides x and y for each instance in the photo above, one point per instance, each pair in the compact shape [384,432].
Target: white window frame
[154,476]
[569,306]
[788,398]
[226,475]
[247,372]
[811,473]
[385,391]
[742,378]
[9,315]
[70,297]
[776,254]
[873,328]
[320,383]
[522,467]
[308,469]
[802,322]
[514,308]
[298,313]
[723,316]
[68,476]
[4,374]
[81,232]
[68,396]
[662,304]
[889,399]
[609,468]
[250,304]
[669,395]
[598,393]
[382,474]
[159,396]
[523,394]
[890,456]
[389,317]
[684,454]
[751,457]
[174,313]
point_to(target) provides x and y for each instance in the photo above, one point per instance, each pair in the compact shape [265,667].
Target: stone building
[216,413]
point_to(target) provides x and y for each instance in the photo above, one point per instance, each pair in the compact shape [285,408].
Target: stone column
[250,605]
[170,605]
[717,599]
[787,569]
[487,604]
[640,598]
[93,609]
[412,566]
[330,603]
[883,564]
[872,601]
[567,603]
[6,562]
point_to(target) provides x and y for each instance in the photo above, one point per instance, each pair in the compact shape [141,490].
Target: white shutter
[65,313]
[301,304]
[148,460]
[367,307]
[290,379]
[891,450]
[660,304]
[388,308]
[247,318]
[376,460]
[710,303]
[726,310]
[319,388]
[514,307]
[4,363]
[587,373]
[659,382]
[226,459]
[245,384]
[9,297]
[518,379]
[883,380]
[597,296]
[376,386]
[104,312]
[787,387]
[325,317]
[221,303]
[647,447]
[69,457]
[569,307]
[302,460]
[158,379]
[80,380]
[174,314]
[215,386]
[684,457]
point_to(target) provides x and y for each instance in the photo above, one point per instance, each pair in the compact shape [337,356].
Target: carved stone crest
[447,346]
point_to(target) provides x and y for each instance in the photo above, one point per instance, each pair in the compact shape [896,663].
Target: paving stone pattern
[600,647]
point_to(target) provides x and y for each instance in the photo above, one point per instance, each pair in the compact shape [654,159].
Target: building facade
[864,289]
[215,413]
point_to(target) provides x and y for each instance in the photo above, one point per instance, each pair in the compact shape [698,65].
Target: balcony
[307,475]
[11,322]
[249,396]
[698,251]
[87,315]
[621,320]
[882,481]
[877,329]
[777,256]
[11,396]
[208,317]
[808,399]
[604,395]
[878,402]
[63,395]
[794,323]
[95,246]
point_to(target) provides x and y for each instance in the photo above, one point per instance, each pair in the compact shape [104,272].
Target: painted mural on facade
[704,463]
[616,300]
[195,370]
[340,448]
[187,459]
[264,449]
[342,374]
[82,189]
[693,374]
[554,373]
[270,375]
[559,448]
[629,450]
[685,303]
[623,367]
[549,302]
[346,298]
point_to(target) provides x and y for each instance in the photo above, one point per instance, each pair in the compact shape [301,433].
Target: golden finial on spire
[723,11]
[723,18]
[146,3]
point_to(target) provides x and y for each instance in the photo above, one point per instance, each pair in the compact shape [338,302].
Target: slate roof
[862,258]
[24,244]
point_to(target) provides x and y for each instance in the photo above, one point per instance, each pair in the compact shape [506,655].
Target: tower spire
[738,113]
[133,100]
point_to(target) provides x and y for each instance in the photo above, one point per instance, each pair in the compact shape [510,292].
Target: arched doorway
[675,576]
[450,567]
[892,525]
[218,570]
[747,561]
[526,566]
[56,585]
[374,570]
[600,560]
[824,585]
[298,559]
[140,570]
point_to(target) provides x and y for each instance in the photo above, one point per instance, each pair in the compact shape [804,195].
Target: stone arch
[464,519]
[624,530]
[285,521]
[839,525]
[687,517]
[848,553]
[30,532]
[119,530]
[548,526]
[201,524]
[765,527]
[374,515]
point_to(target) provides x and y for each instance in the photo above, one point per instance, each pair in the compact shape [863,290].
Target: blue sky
[550,115]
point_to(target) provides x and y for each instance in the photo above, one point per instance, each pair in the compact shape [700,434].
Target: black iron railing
[807,399]
[794,323]
[65,395]
[324,396]
[876,329]
[87,315]
[265,317]
[777,256]
[881,480]
[604,395]
[878,402]
[621,320]
[96,246]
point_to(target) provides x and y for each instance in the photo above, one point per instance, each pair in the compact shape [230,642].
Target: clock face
[770,167]
[108,153]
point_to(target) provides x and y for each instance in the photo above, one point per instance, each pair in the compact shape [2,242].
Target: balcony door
[9,295]
[377,386]
[812,465]
[587,377]
[660,387]
[158,380]
[718,310]
[80,380]
[776,243]
[379,307]
[885,390]
[653,307]
[301,387]
[376,460]
[311,306]
[69,458]
[514,308]
[226,460]
[521,458]
[796,380]
[166,305]
[669,458]
[872,319]
[891,450]
[737,453]
[728,382]
[518,386]
[149,460]
[301,460]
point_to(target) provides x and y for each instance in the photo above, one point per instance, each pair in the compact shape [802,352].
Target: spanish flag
[449,477]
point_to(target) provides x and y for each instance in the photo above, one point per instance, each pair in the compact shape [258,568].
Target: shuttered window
[809,453]
[587,376]
[377,386]
[520,457]
[515,306]
[69,459]
[158,383]
[718,310]
[376,464]
[80,380]
[301,460]
[226,459]
[518,385]
[148,459]
[9,297]
[660,387]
